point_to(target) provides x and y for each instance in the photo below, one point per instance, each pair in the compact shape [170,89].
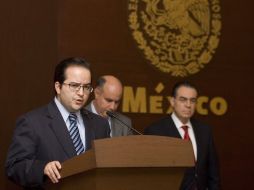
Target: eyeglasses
[185,100]
[75,87]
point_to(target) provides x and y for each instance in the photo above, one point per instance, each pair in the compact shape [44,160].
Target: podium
[128,163]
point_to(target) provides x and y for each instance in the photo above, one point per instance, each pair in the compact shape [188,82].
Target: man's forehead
[186,92]
[112,90]
[73,68]
[74,71]
[108,95]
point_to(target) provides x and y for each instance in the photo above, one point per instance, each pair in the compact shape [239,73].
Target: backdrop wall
[36,35]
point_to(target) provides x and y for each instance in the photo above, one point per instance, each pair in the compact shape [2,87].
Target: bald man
[108,94]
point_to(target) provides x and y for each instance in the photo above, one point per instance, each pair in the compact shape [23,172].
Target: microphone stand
[112,114]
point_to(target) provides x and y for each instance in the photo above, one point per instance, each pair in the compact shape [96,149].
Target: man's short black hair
[100,82]
[60,69]
[181,84]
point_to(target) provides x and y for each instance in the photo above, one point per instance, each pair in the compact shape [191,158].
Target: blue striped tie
[74,132]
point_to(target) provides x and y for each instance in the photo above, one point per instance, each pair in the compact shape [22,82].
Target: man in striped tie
[75,135]
[49,135]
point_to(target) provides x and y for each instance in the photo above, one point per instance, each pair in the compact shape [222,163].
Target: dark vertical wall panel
[28,52]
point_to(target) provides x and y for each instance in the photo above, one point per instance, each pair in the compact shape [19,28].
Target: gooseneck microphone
[113,115]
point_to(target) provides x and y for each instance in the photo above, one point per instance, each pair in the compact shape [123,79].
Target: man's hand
[52,171]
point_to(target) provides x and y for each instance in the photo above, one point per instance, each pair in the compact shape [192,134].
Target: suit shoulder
[158,126]
[161,122]
[201,127]
[122,116]
[199,124]
[93,116]
[89,107]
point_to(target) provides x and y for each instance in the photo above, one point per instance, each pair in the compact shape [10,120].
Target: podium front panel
[123,179]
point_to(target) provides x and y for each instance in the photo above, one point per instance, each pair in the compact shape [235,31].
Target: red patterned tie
[186,133]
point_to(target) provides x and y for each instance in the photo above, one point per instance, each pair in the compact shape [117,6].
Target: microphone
[113,115]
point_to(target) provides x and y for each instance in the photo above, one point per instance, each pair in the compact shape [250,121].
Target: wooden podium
[128,163]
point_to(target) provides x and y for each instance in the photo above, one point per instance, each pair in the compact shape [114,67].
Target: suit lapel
[59,128]
[198,140]
[113,127]
[89,107]
[173,131]
[87,119]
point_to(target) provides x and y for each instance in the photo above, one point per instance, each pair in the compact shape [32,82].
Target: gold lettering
[156,104]
[200,105]
[170,109]
[134,103]
[218,106]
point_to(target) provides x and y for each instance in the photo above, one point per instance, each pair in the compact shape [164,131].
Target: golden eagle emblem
[177,36]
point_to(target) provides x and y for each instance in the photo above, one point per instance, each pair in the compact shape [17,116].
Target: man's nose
[188,103]
[81,91]
[113,106]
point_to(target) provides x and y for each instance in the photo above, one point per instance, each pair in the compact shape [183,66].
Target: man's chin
[187,116]
[104,114]
[76,108]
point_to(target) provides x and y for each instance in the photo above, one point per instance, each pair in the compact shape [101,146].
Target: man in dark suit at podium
[49,135]
[180,124]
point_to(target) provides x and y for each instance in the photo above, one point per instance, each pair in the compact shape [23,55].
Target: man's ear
[58,87]
[172,101]
[97,92]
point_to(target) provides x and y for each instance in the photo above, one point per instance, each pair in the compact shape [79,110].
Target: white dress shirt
[65,114]
[179,125]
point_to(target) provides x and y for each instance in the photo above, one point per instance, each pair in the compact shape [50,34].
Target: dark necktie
[186,133]
[74,133]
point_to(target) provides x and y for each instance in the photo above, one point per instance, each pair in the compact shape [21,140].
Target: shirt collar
[94,111]
[93,108]
[178,123]
[65,114]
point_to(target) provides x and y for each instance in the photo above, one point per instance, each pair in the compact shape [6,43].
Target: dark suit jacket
[206,172]
[41,136]
[117,128]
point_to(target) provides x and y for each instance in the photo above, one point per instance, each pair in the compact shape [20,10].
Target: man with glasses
[181,124]
[107,97]
[49,135]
